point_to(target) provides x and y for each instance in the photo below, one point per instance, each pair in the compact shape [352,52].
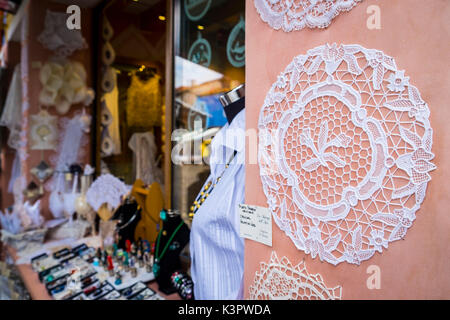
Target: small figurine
[99,253]
[119,255]
[126,262]
[118,280]
[128,246]
[148,266]
[133,249]
[96,262]
[110,266]
[134,272]
[146,246]
[105,260]
[140,257]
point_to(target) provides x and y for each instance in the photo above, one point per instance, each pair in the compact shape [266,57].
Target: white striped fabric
[217,251]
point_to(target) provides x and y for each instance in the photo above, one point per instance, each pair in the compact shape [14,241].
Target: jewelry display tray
[127,279]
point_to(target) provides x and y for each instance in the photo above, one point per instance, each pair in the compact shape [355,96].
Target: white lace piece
[44,131]
[71,147]
[34,212]
[106,189]
[295,15]
[280,280]
[58,38]
[15,172]
[344,152]
[64,84]
[11,222]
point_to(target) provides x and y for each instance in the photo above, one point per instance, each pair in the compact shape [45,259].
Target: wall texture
[416,34]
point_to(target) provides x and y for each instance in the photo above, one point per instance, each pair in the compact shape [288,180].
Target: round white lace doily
[280,280]
[344,152]
[293,15]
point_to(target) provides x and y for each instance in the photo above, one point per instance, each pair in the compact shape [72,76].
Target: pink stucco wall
[416,33]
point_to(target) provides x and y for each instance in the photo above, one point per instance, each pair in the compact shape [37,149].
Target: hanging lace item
[145,152]
[296,15]
[58,38]
[344,152]
[144,102]
[71,147]
[280,280]
[12,111]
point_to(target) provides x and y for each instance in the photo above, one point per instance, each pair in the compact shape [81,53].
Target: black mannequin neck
[234,108]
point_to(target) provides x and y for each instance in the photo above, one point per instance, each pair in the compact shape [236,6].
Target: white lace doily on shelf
[344,152]
[280,280]
[71,147]
[291,15]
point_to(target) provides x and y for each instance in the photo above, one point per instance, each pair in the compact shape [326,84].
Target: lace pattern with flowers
[280,280]
[344,152]
[291,15]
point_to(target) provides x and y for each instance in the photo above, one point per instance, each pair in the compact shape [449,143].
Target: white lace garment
[145,150]
[280,280]
[292,15]
[344,152]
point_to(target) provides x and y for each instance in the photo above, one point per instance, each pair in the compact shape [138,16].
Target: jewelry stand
[170,262]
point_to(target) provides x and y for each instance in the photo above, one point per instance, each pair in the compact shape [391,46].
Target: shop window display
[203,71]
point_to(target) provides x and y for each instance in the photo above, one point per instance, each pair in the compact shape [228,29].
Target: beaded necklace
[207,189]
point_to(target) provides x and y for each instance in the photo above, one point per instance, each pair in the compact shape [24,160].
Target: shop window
[132,79]
[209,46]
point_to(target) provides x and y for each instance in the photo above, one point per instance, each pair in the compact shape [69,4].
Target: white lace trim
[280,280]
[295,15]
[344,152]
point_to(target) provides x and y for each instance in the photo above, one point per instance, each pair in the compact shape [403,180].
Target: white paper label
[255,223]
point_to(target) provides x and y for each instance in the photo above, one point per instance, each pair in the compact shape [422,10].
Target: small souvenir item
[99,253]
[42,171]
[146,245]
[110,266]
[133,290]
[126,262]
[140,258]
[134,272]
[115,249]
[140,244]
[105,257]
[148,265]
[146,294]
[128,246]
[118,280]
[44,131]
[133,249]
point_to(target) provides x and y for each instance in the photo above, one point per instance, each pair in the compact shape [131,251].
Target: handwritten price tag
[255,224]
